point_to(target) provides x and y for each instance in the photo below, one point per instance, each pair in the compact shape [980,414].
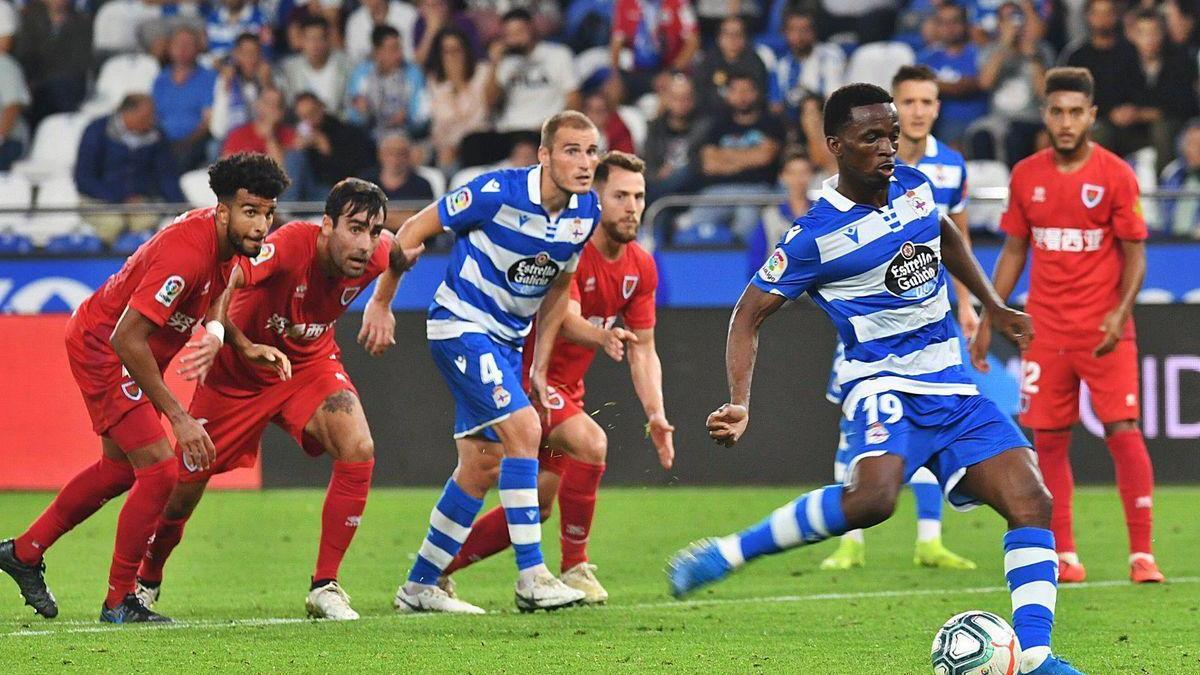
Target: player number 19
[888,404]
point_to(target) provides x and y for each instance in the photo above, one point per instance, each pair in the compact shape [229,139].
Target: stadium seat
[121,75]
[80,241]
[16,192]
[55,147]
[1192,297]
[590,62]
[13,243]
[877,62]
[437,179]
[1155,296]
[129,241]
[195,187]
[58,192]
[986,173]
[636,122]
[115,27]
[464,176]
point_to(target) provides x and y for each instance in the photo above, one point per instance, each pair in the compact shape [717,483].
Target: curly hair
[254,172]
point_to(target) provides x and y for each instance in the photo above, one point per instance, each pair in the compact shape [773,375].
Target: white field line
[71,627]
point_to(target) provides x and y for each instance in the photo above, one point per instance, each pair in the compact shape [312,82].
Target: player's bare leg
[1054,462]
[585,444]
[1012,485]
[340,427]
[1135,482]
[168,533]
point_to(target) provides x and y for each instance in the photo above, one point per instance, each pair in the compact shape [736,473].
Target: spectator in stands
[54,47]
[327,150]
[614,135]
[1181,217]
[1014,68]
[673,142]
[183,97]
[434,16]
[9,24]
[739,156]
[387,94]
[229,20]
[865,20]
[124,158]
[1166,98]
[663,37]
[371,13]
[956,62]
[1113,63]
[1180,17]
[266,133]
[457,86]
[398,177]
[532,79]
[318,68]
[293,15]
[733,53]
[809,68]
[796,176]
[241,78]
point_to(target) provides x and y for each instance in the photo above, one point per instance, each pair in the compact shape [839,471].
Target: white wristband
[217,329]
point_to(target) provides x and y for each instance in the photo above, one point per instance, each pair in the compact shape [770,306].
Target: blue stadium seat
[129,242]
[13,243]
[75,243]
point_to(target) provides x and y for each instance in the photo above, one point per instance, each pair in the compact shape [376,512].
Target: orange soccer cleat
[1070,570]
[1143,569]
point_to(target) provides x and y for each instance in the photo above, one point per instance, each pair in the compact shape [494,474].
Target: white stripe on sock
[1043,593]
[442,523]
[816,517]
[785,531]
[1023,557]
[435,555]
[731,550]
[928,529]
[525,534]
[520,498]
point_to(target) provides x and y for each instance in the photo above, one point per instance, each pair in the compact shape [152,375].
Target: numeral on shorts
[488,371]
[887,404]
[1031,373]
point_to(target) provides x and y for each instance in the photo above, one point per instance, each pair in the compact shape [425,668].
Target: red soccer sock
[1135,482]
[78,500]
[489,536]
[577,506]
[1055,463]
[136,523]
[166,537]
[345,500]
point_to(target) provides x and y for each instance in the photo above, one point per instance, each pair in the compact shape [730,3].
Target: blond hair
[570,119]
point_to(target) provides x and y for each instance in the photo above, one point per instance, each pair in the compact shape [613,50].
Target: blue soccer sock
[929,504]
[1031,568]
[449,524]
[813,517]
[518,496]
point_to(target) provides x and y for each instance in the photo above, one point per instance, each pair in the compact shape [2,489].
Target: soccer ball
[975,643]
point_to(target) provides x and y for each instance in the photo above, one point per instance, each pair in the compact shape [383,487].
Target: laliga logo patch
[348,295]
[170,290]
[776,265]
[877,433]
[501,397]
[1091,194]
[918,203]
[267,252]
[529,276]
[913,273]
[629,285]
[458,201]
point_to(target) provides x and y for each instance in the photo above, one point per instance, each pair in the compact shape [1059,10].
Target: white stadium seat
[55,147]
[877,62]
[195,188]
[121,75]
[986,173]
[464,176]
[437,179]
[16,192]
[635,120]
[58,191]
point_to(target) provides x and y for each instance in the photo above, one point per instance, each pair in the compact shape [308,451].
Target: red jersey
[656,36]
[171,280]
[605,290]
[1074,222]
[290,303]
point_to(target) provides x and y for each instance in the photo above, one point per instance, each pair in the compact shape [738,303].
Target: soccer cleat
[849,554]
[582,577]
[699,564]
[1143,570]
[131,610]
[545,591]
[431,599]
[31,579]
[330,602]
[1053,665]
[447,584]
[148,592]
[1070,572]
[933,553]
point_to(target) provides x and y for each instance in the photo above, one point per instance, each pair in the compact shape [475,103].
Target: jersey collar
[534,185]
[836,199]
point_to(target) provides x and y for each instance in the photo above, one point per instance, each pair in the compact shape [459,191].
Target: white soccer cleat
[447,584]
[582,577]
[432,599]
[545,591]
[147,594]
[330,602]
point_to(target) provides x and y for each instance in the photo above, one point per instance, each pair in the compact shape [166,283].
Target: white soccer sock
[1033,657]
[928,529]
[855,536]
[526,576]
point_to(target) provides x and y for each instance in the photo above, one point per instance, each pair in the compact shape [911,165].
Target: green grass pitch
[236,588]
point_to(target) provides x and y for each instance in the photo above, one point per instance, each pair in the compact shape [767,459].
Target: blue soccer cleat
[699,564]
[131,610]
[1054,665]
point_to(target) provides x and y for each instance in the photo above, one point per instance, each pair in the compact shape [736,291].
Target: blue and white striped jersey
[877,273]
[507,252]
[947,171]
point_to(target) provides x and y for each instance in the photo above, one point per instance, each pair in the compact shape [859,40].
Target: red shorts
[118,408]
[1050,385]
[565,403]
[236,418]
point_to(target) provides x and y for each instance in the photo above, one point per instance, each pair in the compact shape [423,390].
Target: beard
[239,244]
[615,232]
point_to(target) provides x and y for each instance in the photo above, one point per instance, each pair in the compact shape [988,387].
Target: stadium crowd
[720,96]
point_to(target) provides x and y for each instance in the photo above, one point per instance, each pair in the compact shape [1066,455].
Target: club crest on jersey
[1091,194]
[913,273]
[501,397]
[773,269]
[877,433]
[348,295]
[1039,194]
[131,390]
[578,231]
[266,253]
[629,285]
[458,201]
[918,203]
[529,276]
[170,290]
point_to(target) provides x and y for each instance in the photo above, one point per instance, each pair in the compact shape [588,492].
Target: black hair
[742,74]
[960,9]
[352,195]
[849,97]
[313,21]
[1064,78]
[915,73]
[436,67]
[382,32]
[254,172]
[306,96]
[246,37]
[517,14]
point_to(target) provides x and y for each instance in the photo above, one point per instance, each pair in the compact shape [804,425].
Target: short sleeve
[640,312]
[175,272]
[576,294]
[276,249]
[468,206]
[1013,220]
[958,202]
[1127,219]
[791,269]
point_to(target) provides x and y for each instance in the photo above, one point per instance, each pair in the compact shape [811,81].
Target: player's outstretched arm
[727,423]
[131,342]
[379,324]
[582,332]
[550,317]
[1008,270]
[646,370]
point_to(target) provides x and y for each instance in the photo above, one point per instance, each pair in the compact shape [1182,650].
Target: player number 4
[488,371]
[886,404]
